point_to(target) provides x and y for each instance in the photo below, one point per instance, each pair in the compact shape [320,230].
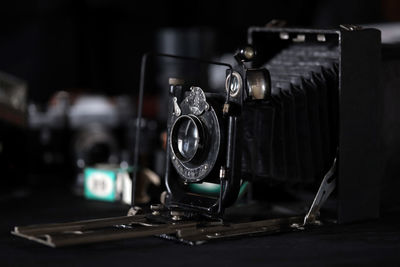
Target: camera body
[75,132]
[297,100]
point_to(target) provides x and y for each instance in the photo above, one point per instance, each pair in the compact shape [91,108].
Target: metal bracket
[327,186]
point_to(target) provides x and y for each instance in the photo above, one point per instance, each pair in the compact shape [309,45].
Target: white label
[100,184]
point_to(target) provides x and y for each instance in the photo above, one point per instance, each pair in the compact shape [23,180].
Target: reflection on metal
[276,23]
[234,86]
[300,38]
[327,186]
[321,38]
[197,101]
[176,81]
[191,232]
[258,83]
[177,110]
[284,35]
[350,27]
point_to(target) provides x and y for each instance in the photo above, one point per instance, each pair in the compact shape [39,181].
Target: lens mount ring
[196,154]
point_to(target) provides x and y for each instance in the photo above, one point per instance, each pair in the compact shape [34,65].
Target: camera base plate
[193,232]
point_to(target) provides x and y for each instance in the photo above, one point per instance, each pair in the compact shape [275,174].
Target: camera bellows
[293,137]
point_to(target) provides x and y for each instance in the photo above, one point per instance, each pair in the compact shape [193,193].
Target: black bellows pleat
[293,137]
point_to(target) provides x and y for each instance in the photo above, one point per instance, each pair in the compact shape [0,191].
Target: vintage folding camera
[300,105]
[300,108]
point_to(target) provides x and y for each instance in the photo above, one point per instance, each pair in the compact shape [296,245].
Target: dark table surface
[368,243]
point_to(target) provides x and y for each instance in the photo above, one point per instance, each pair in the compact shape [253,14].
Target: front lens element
[187,139]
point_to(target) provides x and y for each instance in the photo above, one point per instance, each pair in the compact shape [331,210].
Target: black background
[96,45]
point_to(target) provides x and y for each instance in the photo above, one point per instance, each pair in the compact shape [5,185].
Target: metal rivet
[321,38]
[299,38]
[284,36]
[176,215]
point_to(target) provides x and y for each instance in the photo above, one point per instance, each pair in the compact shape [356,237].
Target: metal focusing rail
[126,227]
[172,225]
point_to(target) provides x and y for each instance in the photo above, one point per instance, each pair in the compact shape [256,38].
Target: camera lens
[186,137]
[194,140]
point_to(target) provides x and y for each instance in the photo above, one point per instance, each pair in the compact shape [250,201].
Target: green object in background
[100,184]
[213,189]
